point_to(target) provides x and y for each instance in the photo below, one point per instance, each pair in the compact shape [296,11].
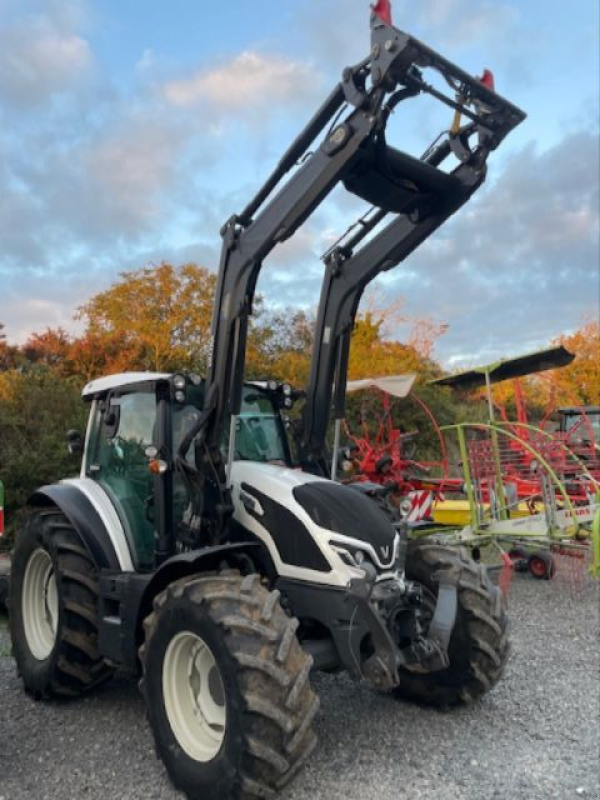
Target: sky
[130,131]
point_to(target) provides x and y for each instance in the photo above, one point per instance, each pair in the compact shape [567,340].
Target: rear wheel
[479,645]
[54,608]
[227,687]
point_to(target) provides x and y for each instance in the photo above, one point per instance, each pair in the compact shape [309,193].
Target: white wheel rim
[194,696]
[40,604]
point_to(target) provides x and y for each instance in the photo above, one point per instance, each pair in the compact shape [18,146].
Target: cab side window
[119,464]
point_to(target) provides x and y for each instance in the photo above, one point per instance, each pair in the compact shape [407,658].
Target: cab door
[124,426]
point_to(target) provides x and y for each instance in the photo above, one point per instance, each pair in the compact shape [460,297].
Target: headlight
[354,558]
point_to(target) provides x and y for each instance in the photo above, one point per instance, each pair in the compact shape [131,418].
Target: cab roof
[579,410]
[102,385]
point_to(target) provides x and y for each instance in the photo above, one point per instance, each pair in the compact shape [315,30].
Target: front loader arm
[439,195]
[346,277]
[354,152]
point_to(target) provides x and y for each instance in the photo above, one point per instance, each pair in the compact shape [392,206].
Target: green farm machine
[532,490]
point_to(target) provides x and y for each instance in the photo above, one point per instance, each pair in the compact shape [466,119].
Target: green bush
[37,408]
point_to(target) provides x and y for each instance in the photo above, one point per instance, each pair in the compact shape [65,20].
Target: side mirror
[74,442]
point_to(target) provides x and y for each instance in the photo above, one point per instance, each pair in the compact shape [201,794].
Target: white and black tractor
[194,551]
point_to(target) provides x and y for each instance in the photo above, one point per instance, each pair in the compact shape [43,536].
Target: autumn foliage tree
[279,346]
[573,385]
[372,355]
[581,378]
[9,355]
[50,349]
[155,318]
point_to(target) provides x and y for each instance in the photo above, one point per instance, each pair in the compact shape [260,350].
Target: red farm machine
[531,490]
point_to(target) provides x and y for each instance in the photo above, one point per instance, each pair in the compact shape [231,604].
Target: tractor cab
[582,423]
[136,426]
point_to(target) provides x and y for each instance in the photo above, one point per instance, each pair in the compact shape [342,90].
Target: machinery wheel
[541,565]
[227,687]
[53,606]
[519,557]
[479,645]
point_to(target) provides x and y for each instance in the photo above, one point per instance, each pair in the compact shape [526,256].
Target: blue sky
[130,131]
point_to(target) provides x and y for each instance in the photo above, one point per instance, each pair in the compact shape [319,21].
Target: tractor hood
[345,511]
[302,518]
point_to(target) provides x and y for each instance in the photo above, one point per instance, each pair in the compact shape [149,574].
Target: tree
[372,355]
[280,345]
[95,354]
[581,378]
[9,355]
[51,349]
[36,410]
[160,317]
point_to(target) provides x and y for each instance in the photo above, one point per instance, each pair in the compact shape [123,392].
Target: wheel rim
[194,696]
[40,605]
[537,566]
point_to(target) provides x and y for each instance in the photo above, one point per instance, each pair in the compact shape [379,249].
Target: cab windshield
[584,424]
[260,435]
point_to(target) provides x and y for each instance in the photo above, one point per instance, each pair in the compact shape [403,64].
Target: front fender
[197,562]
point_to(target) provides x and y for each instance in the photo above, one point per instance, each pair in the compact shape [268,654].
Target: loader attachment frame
[354,151]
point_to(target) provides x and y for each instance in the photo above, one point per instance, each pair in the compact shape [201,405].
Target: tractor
[193,551]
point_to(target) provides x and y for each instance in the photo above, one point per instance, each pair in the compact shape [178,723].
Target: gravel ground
[535,736]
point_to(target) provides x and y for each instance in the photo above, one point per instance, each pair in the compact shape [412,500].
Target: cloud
[133,168]
[103,171]
[38,59]
[519,264]
[146,62]
[251,81]
[514,268]
[461,23]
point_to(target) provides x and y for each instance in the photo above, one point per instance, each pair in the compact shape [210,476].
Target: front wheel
[479,646]
[227,687]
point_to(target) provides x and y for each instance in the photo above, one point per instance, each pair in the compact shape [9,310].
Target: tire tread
[484,629]
[274,674]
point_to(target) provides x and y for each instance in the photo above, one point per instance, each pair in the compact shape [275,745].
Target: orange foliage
[374,353]
[155,318]
[576,384]
[582,377]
